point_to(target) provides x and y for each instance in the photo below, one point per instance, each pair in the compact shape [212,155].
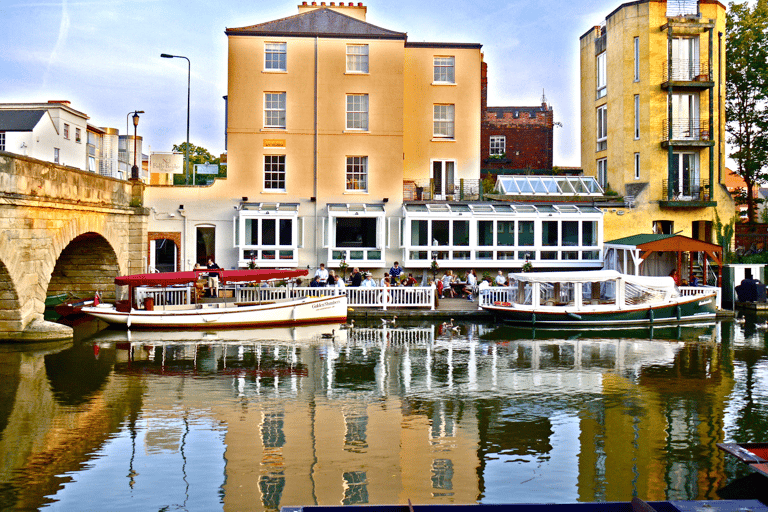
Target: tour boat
[596,298]
[754,455]
[148,306]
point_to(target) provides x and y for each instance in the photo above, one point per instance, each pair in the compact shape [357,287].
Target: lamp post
[134,169]
[186,149]
[127,116]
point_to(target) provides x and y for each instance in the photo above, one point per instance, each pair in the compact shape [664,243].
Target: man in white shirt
[500,279]
[322,274]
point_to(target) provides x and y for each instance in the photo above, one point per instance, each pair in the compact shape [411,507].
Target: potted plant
[343,267]
[435,268]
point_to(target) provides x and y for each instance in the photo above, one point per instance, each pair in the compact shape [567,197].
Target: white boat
[201,314]
[573,300]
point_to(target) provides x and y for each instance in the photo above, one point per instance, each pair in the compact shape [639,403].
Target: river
[256,420]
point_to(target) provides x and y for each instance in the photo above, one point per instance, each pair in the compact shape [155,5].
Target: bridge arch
[10,307]
[86,265]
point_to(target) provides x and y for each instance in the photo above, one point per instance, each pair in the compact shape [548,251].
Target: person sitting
[331,281]
[448,279]
[500,279]
[368,282]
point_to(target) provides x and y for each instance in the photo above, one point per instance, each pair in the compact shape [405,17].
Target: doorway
[206,244]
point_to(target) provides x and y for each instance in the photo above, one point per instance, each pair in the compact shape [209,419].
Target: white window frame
[601,72]
[602,172]
[637,116]
[357,58]
[636,50]
[2,141]
[497,145]
[443,121]
[266,255]
[56,155]
[356,171]
[275,109]
[279,170]
[357,112]
[602,127]
[346,253]
[444,69]
[66,131]
[447,179]
[78,135]
[637,166]
[686,64]
[276,56]
[686,116]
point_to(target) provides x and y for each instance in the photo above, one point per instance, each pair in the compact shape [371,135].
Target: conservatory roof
[548,185]
[493,208]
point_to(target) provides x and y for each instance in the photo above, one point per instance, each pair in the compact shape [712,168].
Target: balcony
[687,74]
[429,190]
[691,132]
[691,194]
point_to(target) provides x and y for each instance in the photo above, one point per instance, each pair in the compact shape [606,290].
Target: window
[601,76]
[602,128]
[637,58]
[78,137]
[92,163]
[275,56]
[637,166]
[274,110]
[637,116]
[357,173]
[357,58]
[274,172]
[443,175]
[443,121]
[66,131]
[602,172]
[2,141]
[498,144]
[55,155]
[445,70]
[357,112]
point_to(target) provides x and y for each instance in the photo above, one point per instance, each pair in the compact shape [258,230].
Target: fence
[376,297]
[167,296]
[687,291]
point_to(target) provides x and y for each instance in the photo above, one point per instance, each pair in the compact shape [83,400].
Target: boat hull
[687,309]
[308,310]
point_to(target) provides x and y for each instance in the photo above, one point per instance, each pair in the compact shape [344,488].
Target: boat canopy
[591,276]
[225,276]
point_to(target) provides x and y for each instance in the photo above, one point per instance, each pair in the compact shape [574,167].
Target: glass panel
[570,255]
[461,232]
[549,255]
[505,232]
[549,233]
[418,255]
[485,233]
[356,231]
[440,232]
[268,235]
[419,233]
[461,255]
[251,232]
[286,255]
[268,255]
[338,255]
[525,232]
[374,255]
[356,255]
[589,233]
[570,233]
[526,255]
[506,255]
[286,232]
[485,255]
[590,255]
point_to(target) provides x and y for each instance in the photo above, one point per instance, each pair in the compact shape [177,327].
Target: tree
[197,155]
[746,91]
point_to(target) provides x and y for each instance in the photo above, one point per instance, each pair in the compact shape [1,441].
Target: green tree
[197,155]
[746,90]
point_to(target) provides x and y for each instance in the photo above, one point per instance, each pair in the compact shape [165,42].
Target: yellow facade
[656,99]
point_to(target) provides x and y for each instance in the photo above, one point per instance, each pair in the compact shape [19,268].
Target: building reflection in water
[387,415]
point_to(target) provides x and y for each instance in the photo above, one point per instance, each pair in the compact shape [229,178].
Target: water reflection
[263,419]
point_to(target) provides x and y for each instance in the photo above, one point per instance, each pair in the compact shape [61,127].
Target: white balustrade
[489,296]
[394,297]
[700,290]
[165,296]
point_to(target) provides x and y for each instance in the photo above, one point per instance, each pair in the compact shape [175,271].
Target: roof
[319,22]
[638,239]
[649,243]
[20,120]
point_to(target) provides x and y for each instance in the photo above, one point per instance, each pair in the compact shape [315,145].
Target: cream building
[653,116]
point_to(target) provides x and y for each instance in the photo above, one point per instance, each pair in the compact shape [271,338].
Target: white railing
[495,294]
[397,297]
[687,291]
[165,296]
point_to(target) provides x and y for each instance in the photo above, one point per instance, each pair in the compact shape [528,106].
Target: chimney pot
[359,4]
[314,3]
[322,4]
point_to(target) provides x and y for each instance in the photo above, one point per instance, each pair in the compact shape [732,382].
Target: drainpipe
[183,240]
[314,158]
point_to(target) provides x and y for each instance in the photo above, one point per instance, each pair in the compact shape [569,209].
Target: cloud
[61,40]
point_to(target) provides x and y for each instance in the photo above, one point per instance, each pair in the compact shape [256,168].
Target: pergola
[640,247]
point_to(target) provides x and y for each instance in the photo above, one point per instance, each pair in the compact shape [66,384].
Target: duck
[329,335]
[350,325]
[763,325]
[384,321]
[740,320]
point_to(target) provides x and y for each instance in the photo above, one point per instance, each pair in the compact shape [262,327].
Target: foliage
[343,265]
[746,104]
[725,234]
[764,215]
[527,266]
[488,184]
[434,267]
[197,155]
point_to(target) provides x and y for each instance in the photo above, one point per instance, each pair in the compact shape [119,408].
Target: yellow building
[327,114]
[653,116]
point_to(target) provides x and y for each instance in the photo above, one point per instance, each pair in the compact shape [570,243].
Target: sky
[104,56]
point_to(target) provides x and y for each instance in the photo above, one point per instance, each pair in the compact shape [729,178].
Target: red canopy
[225,276]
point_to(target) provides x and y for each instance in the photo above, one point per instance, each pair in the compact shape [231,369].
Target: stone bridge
[62,230]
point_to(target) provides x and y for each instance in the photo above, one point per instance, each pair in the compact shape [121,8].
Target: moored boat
[754,455]
[192,312]
[595,299]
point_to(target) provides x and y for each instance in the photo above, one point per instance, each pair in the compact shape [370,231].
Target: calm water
[255,420]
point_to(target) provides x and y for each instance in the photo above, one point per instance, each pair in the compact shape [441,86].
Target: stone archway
[86,265]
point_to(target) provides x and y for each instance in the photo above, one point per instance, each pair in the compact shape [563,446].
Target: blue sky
[104,56]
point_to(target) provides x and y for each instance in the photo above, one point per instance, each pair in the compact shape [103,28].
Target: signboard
[207,169]
[170,163]
[274,143]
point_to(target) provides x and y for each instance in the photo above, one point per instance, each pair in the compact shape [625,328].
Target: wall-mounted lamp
[245,199]
[181,207]
[313,199]
[386,199]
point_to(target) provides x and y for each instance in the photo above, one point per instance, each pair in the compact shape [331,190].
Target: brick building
[515,138]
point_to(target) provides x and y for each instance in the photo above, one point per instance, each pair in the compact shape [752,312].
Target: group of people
[395,277]
[450,286]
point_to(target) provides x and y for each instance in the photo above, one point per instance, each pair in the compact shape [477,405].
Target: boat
[754,455]
[596,298]
[72,307]
[169,300]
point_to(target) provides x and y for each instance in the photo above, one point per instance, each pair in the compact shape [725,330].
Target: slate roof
[20,120]
[323,22]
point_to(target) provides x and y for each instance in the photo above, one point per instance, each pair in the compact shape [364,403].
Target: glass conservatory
[548,186]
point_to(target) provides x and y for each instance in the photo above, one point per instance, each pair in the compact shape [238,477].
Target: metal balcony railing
[683,8]
[686,190]
[428,190]
[686,129]
[684,70]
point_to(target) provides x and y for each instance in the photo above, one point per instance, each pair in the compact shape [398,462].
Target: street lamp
[186,149]
[135,112]
[135,169]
